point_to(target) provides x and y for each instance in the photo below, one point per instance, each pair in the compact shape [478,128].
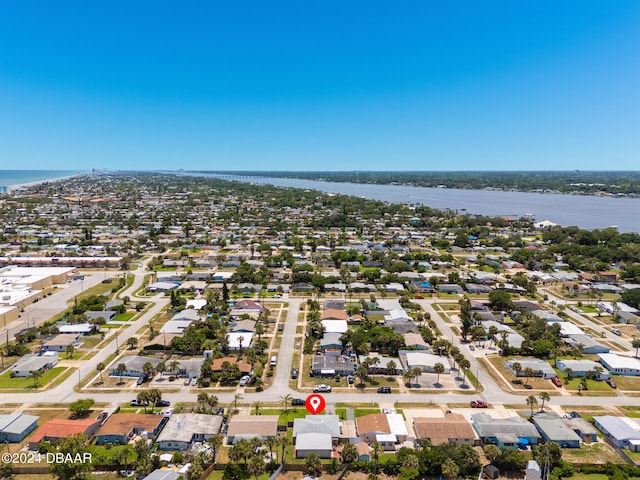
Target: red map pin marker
[315,404]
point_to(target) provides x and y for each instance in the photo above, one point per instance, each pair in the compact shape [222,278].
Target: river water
[589,212]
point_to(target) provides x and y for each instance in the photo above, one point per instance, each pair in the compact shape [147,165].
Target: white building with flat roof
[619,365]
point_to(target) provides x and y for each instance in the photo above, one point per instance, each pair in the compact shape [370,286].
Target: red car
[556,381]
[478,404]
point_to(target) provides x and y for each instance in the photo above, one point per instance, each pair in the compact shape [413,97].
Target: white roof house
[196,303]
[619,365]
[397,425]
[334,326]
[623,431]
[425,361]
[79,328]
[318,443]
[568,328]
[234,340]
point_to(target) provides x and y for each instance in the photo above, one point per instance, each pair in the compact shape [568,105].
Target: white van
[273,361]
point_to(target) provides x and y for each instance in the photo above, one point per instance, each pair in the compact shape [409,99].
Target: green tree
[349,453]
[132,342]
[256,466]
[120,369]
[35,374]
[286,400]
[500,300]
[450,469]
[70,350]
[635,343]
[72,470]
[81,407]
[532,401]
[313,466]
[438,369]
[545,397]
[100,367]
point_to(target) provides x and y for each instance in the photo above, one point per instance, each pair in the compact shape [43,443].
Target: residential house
[14,427]
[330,365]
[585,430]
[182,429]
[59,428]
[540,367]
[252,426]
[386,429]
[34,363]
[120,428]
[504,432]
[426,362]
[313,443]
[238,341]
[583,368]
[134,366]
[552,429]
[618,365]
[452,428]
[59,343]
[415,340]
[331,344]
[586,344]
[624,432]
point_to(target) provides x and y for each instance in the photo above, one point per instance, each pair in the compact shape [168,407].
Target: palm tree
[286,400]
[545,397]
[203,399]
[240,340]
[376,451]
[417,371]
[271,443]
[122,457]
[568,373]
[256,406]
[70,350]
[635,343]
[464,365]
[517,367]
[284,443]
[173,366]
[450,469]
[361,373]
[100,367]
[120,369]
[438,368]
[391,365]
[408,376]
[235,402]
[256,466]
[35,374]
[528,372]
[532,402]
[215,442]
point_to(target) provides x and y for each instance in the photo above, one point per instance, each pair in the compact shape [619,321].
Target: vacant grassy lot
[597,453]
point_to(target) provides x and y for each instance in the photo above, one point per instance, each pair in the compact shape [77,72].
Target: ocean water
[12,178]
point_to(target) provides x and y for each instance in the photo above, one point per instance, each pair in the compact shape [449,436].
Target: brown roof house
[452,428]
[122,427]
[58,428]
[252,426]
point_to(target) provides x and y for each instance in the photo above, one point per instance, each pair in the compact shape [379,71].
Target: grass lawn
[597,453]
[27,382]
[627,383]
[286,417]
[591,384]
[124,317]
[589,476]
[99,289]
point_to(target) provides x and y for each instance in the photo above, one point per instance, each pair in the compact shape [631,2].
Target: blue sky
[332,85]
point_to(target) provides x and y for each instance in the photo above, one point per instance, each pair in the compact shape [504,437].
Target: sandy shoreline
[21,186]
